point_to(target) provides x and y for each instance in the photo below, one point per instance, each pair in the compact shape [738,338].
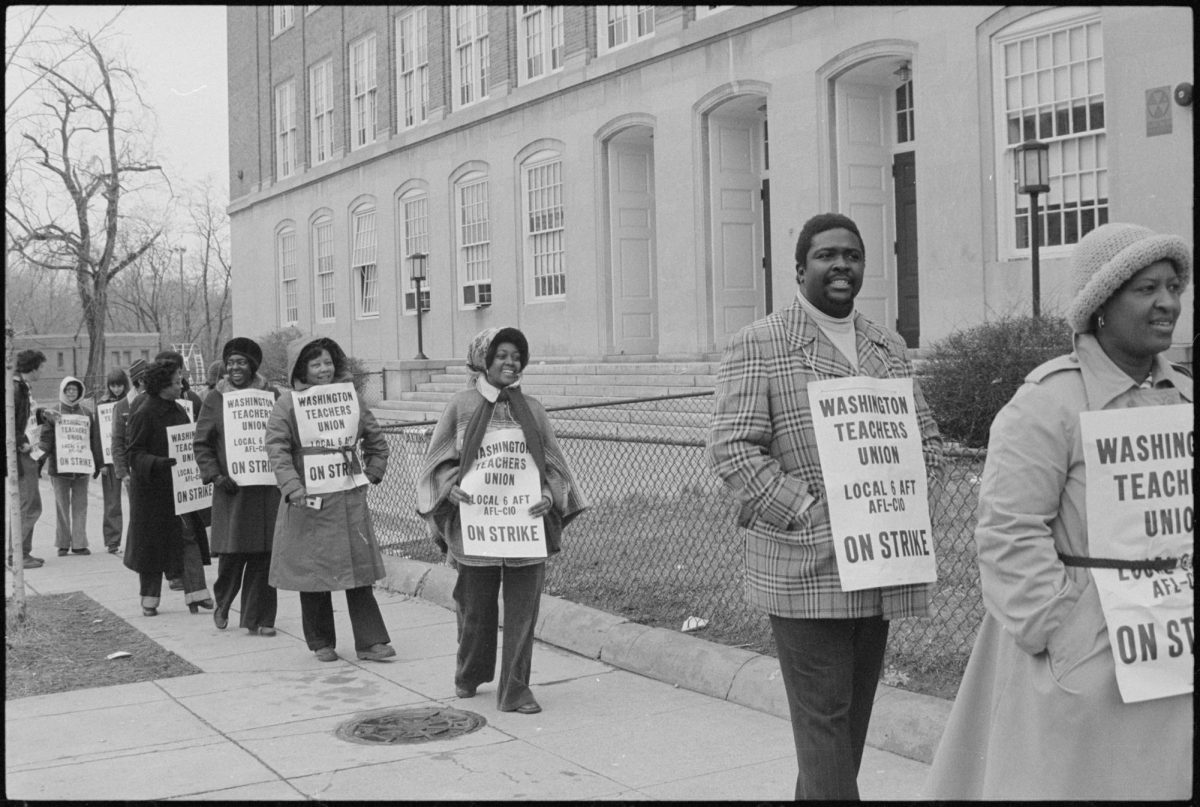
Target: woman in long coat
[1039,714]
[325,541]
[493,400]
[243,516]
[155,543]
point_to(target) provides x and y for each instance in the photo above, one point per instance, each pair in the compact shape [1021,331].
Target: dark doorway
[766,261]
[908,307]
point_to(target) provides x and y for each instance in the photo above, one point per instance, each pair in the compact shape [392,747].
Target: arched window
[285,261]
[474,239]
[412,213]
[542,223]
[364,269]
[322,252]
[1048,72]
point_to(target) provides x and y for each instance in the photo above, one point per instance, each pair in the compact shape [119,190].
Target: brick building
[629,180]
[67,355]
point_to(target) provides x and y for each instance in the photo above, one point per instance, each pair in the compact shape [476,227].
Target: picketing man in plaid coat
[762,445]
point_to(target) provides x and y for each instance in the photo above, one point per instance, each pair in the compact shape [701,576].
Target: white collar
[489,392]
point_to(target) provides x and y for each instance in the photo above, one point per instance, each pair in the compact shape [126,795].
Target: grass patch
[64,643]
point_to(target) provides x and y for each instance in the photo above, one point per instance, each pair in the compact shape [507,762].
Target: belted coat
[1038,714]
[333,548]
[243,521]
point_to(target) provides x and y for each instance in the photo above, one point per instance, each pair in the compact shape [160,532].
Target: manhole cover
[419,725]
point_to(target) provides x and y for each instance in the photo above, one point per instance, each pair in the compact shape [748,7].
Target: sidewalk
[260,721]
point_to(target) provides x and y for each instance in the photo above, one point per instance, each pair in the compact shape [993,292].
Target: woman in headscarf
[243,515]
[1040,714]
[325,446]
[492,401]
[159,541]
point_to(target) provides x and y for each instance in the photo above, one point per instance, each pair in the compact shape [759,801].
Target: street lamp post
[418,262]
[1033,177]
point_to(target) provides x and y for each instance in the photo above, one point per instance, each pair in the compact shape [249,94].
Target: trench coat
[154,542]
[1038,714]
[243,521]
[334,548]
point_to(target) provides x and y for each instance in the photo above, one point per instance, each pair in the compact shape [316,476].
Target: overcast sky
[179,53]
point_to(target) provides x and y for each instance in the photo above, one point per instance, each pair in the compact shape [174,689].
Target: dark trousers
[246,571]
[477,596]
[195,587]
[31,501]
[830,671]
[316,615]
[111,486]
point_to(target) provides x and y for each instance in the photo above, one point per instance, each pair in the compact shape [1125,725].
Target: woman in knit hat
[467,429]
[1044,711]
[243,512]
[216,371]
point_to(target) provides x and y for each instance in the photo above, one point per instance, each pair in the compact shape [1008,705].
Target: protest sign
[245,426]
[1140,506]
[190,493]
[327,417]
[504,483]
[104,414]
[73,444]
[869,443]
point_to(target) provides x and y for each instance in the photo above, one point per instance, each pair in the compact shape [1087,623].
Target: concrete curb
[904,723]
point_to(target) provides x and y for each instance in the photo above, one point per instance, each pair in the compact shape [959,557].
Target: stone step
[602,368]
[614,379]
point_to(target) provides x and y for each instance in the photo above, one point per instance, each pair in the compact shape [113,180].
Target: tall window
[474,240]
[412,67]
[414,218]
[322,252]
[544,225]
[285,247]
[320,83]
[362,92]
[1050,86]
[617,26]
[363,268]
[540,41]
[905,122]
[285,130]
[282,18]
[470,60]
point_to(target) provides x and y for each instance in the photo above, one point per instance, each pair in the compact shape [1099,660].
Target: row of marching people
[266,532]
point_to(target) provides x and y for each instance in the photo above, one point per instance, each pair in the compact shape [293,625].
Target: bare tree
[85,157]
[211,229]
[139,299]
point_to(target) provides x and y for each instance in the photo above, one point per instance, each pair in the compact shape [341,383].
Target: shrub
[971,374]
[275,362]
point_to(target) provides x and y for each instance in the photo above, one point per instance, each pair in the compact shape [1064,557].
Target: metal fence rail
[659,543]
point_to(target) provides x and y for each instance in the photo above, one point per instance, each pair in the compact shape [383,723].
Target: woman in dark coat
[326,542]
[243,516]
[155,542]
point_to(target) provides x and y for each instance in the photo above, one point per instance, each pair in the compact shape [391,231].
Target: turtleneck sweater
[839,330]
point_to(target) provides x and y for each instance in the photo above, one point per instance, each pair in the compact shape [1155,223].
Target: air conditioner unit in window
[477,294]
[410,301]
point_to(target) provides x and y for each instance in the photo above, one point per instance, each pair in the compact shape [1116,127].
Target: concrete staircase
[572,383]
[595,385]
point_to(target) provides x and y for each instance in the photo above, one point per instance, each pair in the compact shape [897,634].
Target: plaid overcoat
[762,446]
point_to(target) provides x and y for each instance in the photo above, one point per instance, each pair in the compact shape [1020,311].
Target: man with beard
[763,446]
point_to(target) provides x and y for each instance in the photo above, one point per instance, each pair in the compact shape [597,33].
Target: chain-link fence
[660,544]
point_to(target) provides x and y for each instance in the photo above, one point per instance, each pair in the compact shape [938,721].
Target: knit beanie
[137,369]
[245,347]
[1111,254]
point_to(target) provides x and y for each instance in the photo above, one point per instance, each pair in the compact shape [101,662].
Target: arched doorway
[629,169]
[738,204]
[875,176]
